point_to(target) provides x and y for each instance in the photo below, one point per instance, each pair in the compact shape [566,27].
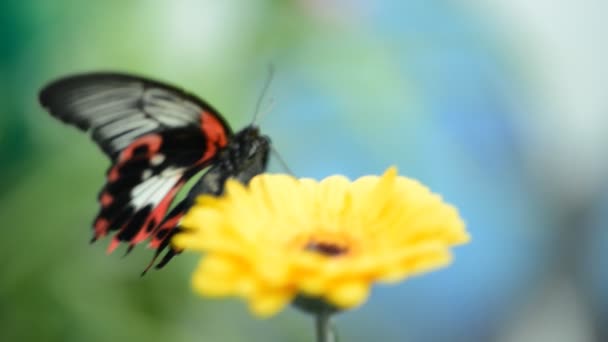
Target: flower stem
[324,333]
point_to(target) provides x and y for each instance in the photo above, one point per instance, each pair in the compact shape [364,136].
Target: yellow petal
[334,201]
[270,302]
[349,294]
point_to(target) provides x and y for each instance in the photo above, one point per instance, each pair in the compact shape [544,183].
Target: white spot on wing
[157,159]
[154,189]
[171,172]
[146,174]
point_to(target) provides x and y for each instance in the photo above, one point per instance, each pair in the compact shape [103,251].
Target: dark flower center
[326,248]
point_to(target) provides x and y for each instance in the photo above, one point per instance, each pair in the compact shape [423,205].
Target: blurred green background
[498,105]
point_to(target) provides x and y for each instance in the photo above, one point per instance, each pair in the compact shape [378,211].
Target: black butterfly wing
[117,108]
[156,135]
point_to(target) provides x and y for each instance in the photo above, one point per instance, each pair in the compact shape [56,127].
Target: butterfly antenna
[263,93]
[281,160]
[269,108]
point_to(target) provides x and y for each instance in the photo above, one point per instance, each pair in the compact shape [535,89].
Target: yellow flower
[281,237]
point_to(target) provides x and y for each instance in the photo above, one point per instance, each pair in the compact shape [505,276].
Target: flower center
[326,248]
[324,243]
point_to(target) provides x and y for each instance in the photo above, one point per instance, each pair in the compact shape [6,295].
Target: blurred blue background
[498,105]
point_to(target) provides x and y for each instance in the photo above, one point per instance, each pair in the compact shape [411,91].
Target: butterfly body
[157,137]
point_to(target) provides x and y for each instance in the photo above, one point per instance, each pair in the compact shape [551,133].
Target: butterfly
[157,137]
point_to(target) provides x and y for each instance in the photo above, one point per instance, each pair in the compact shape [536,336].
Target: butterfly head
[250,149]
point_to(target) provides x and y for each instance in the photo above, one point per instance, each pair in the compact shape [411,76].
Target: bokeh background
[499,105]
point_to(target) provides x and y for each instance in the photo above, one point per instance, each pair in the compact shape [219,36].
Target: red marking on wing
[215,133]
[157,214]
[167,225]
[106,199]
[101,228]
[113,175]
[113,245]
[152,141]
